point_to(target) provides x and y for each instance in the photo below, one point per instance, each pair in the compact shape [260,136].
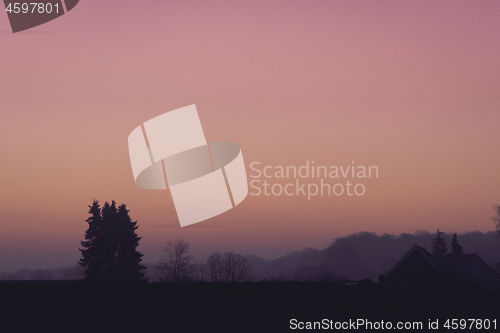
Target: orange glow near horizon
[412,88]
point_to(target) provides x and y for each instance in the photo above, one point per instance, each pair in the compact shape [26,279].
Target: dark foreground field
[206,307]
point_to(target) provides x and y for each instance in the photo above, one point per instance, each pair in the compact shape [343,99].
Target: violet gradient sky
[412,87]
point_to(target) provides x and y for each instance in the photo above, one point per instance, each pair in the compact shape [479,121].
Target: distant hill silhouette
[67,273]
[367,255]
[354,257]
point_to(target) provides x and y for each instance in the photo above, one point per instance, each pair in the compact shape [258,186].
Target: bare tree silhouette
[177,265]
[496,219]
[227,267]
[268,276]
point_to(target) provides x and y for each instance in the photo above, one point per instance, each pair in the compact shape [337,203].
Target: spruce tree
[439,243]
[110,242]
[109,253]
[128,258]
[456,249]
[92,254]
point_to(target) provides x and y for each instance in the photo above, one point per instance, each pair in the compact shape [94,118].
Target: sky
[410,87]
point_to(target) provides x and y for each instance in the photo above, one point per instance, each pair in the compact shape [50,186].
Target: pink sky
[412,87]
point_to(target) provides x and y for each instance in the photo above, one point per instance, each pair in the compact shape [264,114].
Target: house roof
[423,252]
[442,263]
[477,266]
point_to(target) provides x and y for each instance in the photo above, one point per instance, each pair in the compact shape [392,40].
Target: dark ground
[206,307]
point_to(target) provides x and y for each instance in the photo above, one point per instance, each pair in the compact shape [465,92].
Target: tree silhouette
[177,264]
[109,244]
[228,267]
[128,258]
[456,249]
[439,243]
[109,253]
[93,260]
[496,219]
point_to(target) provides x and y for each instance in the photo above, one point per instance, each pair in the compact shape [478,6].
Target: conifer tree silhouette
[110,247]
[456,249]
[128,258]
[92,257]
[439,243]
